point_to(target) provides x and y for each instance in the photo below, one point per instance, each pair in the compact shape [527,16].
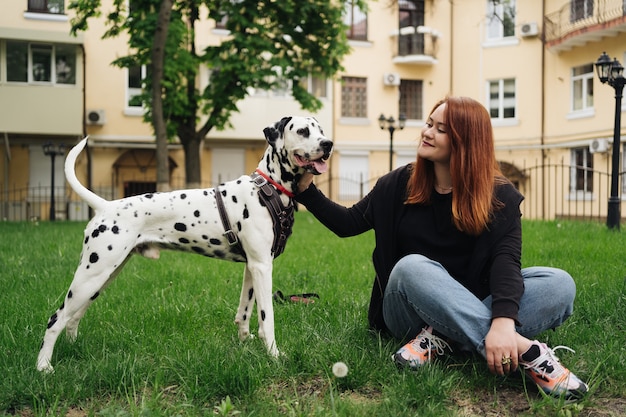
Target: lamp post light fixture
[52,151]
[610,72]
[390,125]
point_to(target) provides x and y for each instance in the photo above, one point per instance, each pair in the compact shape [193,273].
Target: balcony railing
[416,45]
[579,22]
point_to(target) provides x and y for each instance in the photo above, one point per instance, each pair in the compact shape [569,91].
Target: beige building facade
[529,62]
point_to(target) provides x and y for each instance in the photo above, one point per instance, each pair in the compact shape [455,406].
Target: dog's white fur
[188,220]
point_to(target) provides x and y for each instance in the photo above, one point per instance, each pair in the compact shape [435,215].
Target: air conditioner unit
[96,117]
[529,29]
[391,78]
[599,146]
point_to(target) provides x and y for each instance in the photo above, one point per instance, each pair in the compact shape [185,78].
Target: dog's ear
[275,131]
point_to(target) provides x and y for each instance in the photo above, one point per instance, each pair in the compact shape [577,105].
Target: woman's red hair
[473,166]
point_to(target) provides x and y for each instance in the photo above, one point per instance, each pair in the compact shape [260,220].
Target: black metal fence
[552,191]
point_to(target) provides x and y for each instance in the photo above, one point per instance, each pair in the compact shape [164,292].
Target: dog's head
[302,141]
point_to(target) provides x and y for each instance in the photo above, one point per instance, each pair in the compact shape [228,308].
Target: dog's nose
[327,146]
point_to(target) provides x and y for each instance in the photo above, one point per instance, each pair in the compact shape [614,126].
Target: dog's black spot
[62,305]
[262,315]
[215,241]
[224,193]
[95,233]
[93,258]
[196,213]
[110,247]
[135,214]
[205,237]
[304,132]
[53,319]
[219,254]
[181,227]
[183,196]
[102,228]
[198,249]
[238,181]
[205,193]
[183,240]
[69,294]
[234,197]
[115,230]
[246,213]
[239,226]
[86,239]
[93,297]
[148,195]
[245,317]
[250,293]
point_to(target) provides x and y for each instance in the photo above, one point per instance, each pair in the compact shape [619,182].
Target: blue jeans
[421,292]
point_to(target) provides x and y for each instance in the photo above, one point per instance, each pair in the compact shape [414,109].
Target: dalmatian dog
[189,220]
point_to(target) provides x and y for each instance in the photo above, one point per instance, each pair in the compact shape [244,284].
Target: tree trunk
[158,120]
[192,147]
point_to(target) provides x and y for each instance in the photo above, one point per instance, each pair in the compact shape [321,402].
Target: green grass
[160,341]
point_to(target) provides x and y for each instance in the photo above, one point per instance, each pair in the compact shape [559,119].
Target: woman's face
[435,144]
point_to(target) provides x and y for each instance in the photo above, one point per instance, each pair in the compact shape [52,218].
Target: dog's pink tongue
[320,166]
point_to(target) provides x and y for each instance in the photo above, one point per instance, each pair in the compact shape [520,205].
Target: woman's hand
[305,181]
[501,346]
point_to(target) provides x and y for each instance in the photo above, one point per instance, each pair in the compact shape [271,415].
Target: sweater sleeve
[507,284]
[343,221]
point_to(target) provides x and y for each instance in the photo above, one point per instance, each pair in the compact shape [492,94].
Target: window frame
[354,97]
[412,99]
[352,13]
[497,15]
[586,83]
[501,100]
[56,52]
[581,172]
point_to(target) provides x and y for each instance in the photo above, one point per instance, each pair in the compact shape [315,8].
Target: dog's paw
[45,367]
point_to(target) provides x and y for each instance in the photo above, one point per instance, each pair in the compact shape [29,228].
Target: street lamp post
[610,72]
[52,151]
[390,125]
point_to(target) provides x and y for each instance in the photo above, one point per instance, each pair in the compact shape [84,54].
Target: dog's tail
[90,198]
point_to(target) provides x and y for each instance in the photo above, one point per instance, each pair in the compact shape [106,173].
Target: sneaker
[543,367]
[425,347]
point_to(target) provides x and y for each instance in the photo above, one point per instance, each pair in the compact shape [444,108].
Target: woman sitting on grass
[448,255]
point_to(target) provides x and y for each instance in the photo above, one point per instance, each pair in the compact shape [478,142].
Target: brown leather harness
[282,216]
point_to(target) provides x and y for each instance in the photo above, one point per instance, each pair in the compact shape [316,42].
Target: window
[580,9]
[40,63]
[46,6]
[502,99]
[500,19]
[354,97]
[353,175]
[411,16]
[356,20]
[411,99]
[582,87]
[318,86]
[136,75]
[581,177]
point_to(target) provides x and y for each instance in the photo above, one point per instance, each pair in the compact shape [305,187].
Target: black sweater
[494,262]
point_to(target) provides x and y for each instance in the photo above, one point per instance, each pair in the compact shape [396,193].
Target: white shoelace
[547,355]
[433,342]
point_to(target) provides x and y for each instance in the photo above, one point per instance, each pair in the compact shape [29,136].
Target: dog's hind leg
[88,282]
[246,304]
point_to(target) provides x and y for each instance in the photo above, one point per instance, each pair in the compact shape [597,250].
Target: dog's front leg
[262,281]
[246,303]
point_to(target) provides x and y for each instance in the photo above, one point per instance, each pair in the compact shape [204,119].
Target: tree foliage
[270,44]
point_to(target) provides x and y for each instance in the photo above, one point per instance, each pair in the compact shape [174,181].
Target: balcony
[579,22]
[415,45]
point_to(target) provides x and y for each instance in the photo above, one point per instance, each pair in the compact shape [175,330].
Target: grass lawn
[160,341]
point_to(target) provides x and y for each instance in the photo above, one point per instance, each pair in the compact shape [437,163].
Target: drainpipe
[6,173]
[88,149]
[543,113]
[451,81]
